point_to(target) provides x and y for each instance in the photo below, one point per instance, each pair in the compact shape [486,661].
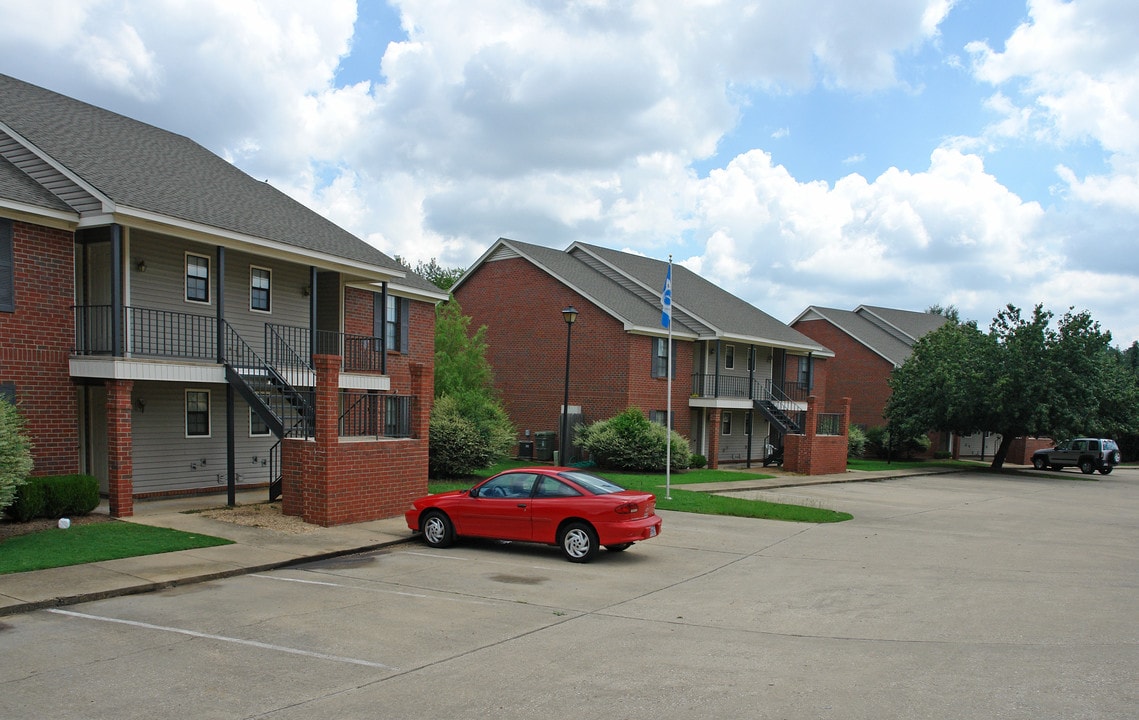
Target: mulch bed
[11,528]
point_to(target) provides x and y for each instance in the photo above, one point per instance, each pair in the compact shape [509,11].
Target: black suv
[1088,454]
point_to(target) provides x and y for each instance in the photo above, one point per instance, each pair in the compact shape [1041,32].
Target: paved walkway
[259,549]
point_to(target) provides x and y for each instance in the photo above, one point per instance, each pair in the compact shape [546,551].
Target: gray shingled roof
[700,308]
[139,166]
[890,345]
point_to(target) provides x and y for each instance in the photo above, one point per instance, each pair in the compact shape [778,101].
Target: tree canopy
[1025,377]
[443,277]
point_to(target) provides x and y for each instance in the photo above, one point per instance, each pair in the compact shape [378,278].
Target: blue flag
[666,299]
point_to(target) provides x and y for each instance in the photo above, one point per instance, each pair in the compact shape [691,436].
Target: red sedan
[575,510]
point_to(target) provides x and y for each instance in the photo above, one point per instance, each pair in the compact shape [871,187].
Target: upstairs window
[197,278]
[396,321]
[729,357]
[260,281]
[660,358]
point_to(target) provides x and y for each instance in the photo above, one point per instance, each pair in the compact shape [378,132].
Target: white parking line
[222,638]
[369,589]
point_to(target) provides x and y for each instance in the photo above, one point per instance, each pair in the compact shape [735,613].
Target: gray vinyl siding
[165,459]
[733,447]
[163,285]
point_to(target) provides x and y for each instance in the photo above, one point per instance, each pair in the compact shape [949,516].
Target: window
[8,392]
[804,372]
[396,318]
[658,416]
[197,413]
[729,357]
[548,487]
[726,424]
[197,278]
[259,284]
[7,268]
[660,357]
[257,426]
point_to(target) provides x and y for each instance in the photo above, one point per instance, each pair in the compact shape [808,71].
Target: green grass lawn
[871,465]
[686,500]
[93,543]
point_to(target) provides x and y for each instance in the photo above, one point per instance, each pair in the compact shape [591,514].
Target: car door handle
[522,505]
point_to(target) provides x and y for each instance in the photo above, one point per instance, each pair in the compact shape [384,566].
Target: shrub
[630,442]
[55,496]
[855,442]
[878,444]
[697,461]
[15,453]
[469,431]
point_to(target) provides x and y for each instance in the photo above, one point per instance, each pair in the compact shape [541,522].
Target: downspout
[312,344]
[384,328]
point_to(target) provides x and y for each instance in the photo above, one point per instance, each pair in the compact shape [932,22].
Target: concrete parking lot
[948,596]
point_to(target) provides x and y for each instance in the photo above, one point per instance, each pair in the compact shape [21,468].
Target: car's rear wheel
[438,532]
[1087,467]
[1106,469]
[578,542]
[618,547]
[1039,462]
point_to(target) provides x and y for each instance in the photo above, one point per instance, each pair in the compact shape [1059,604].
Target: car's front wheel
[578,542]
[438,532]
[1039,462]
[1087,467]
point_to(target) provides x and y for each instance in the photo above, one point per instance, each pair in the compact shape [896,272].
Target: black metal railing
[828,423]
[291,409]
[146,332]
[364,414]
[789,391]
[722,386]
[287,347]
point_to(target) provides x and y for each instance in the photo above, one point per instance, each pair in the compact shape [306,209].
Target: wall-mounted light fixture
[140,404]
[306,290]
[140,266]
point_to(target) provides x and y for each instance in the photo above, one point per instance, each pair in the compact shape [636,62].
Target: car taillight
[629,508]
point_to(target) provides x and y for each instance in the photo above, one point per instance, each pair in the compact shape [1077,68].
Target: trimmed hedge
[54,496]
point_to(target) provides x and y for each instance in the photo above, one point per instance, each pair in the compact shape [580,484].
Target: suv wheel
[1038,462]
[1086,466]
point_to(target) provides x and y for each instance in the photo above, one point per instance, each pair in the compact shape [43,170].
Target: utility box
[526,449]
[544,444]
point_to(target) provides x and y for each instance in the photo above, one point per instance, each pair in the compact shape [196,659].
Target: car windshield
[593,483]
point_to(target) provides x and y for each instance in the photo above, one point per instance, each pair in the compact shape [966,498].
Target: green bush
[879,444]
[697,461]
[469,431]
[15,453]
[855,442]
[630,442]
[55,496]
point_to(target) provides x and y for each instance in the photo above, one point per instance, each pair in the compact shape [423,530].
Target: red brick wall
[853,372]
[328,482]
[36,341]
[358,320]
[610,370]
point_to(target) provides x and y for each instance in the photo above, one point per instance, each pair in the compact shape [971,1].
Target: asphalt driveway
[948,596]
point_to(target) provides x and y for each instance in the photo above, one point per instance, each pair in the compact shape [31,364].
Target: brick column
[844,422]
[327,431]
[120,455]
[714,438]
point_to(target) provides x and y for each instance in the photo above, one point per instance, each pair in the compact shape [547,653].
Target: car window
[592,483]
[510,485]
[549,487]
[1079,445]
[1093,444]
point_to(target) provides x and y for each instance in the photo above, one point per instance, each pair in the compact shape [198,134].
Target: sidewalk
[256,549]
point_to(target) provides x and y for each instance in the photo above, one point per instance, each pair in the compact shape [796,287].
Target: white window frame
[209,412]
[725,423]
[253,269]
[729,357]
[254,417]
[186,280]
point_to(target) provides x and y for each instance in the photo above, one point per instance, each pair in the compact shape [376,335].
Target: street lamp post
[570,315]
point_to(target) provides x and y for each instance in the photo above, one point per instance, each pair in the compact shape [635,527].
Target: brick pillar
[714,438]
[844,422]
[327,431]
[120,455]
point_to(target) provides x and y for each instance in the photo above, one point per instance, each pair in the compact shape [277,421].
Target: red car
[575,510]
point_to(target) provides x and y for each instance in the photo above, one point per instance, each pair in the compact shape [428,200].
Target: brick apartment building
[171,325]
[741,379]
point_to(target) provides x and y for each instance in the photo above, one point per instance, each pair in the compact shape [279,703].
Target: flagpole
[668,404]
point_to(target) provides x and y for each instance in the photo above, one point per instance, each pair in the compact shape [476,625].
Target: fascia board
[25,212]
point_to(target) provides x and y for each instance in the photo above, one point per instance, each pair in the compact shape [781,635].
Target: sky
[901,153]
